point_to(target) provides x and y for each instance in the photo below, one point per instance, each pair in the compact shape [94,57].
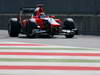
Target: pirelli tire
[13,28]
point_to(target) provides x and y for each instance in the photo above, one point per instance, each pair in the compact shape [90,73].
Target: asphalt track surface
[77,41]
[49,56]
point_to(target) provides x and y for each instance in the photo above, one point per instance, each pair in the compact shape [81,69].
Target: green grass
[48,60]
[46,48]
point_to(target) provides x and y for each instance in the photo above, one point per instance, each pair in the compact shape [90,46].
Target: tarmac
[49,56]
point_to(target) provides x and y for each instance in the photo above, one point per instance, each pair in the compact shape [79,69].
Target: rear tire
[13,29]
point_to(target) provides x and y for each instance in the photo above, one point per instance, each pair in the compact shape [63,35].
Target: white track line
[50,51]
[13,42]
[49,57]
[48,64]
[47,72]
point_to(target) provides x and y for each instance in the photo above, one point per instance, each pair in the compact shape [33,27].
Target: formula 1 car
[32,26]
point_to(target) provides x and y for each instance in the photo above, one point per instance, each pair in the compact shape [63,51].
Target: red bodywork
[41,23]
